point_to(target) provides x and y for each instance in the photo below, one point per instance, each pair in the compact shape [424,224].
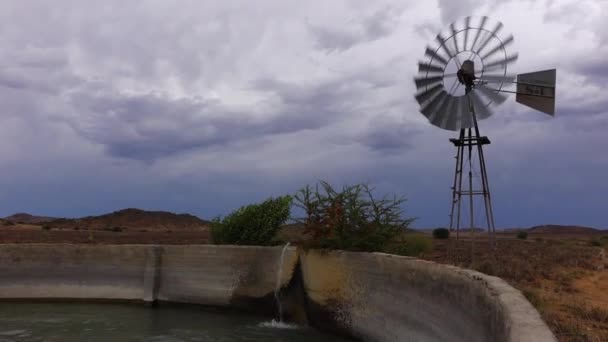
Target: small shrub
[254,224]
[117,229]
[351,218]
[46,226]
[522,235]
[595,243]
[441,233]
[9,223]
[599,242]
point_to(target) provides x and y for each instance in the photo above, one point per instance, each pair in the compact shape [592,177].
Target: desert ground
[563,271]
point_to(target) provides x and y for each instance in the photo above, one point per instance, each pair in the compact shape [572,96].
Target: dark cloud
[339,38]
[390,136]
[151,126]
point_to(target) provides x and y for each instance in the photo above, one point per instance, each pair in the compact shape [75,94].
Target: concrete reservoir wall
[368,296]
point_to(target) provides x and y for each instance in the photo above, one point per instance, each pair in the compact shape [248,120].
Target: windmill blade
[497,78]
[440,108]
[500,64]
[481,28]
[429,93]
[428,67]
[505,42]
[482,111]
[435,56]
[447,50]
[444,112]
[491,94]
[457,49]
[467,26]
[431,107]
[453,28]
[427,81]
[489,37]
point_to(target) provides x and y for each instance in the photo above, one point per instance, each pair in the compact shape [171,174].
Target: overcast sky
[204,106]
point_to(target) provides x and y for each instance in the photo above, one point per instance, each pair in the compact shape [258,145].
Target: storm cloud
[206,106]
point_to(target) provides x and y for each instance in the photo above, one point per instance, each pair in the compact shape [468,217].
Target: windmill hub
[466,74]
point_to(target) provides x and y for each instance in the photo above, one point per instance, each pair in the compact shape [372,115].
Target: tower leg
[457,189]
[469,138]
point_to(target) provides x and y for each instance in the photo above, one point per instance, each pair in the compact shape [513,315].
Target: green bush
[522,235]
[411,245]
[350,219]
[46,226]
[599,242]
[9,223]
[441,233]
[254,224]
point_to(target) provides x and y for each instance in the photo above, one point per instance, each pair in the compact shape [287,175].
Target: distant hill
[28,219]
[133,219]
[559,229]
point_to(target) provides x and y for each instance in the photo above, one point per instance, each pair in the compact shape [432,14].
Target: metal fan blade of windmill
[435,56]
[497,78]
[478,32]
[428,67]
[427,81]
[491,94]
[488,38]
[499,47]
[432,106]
[482,111]
[501,63]
[467,26]
[444,113]
[447,50]
[429,93]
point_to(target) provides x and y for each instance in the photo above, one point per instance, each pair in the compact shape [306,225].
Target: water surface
[66,322]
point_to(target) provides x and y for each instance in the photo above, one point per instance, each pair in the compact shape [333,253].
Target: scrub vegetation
[254,224]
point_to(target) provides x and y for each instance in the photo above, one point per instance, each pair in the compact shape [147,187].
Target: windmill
[464,75]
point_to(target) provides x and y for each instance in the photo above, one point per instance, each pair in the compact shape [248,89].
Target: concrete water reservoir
[367,296]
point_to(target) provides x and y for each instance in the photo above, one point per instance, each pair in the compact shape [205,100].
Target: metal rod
[514,92]
[461,155]
[491,226]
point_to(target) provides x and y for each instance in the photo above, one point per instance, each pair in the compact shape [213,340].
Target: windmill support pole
[470,137]
[456,193]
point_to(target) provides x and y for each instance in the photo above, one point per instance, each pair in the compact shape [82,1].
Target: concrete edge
[520,320]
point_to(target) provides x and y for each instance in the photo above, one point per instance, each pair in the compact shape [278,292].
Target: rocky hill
[132,219]
[560,229]
[27,218]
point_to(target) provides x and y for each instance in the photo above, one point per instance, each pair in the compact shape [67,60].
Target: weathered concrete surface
[211,275]
[72,271]
[223,275]
[380,297]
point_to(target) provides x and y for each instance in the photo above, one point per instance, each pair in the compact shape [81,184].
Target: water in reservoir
[67,322]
